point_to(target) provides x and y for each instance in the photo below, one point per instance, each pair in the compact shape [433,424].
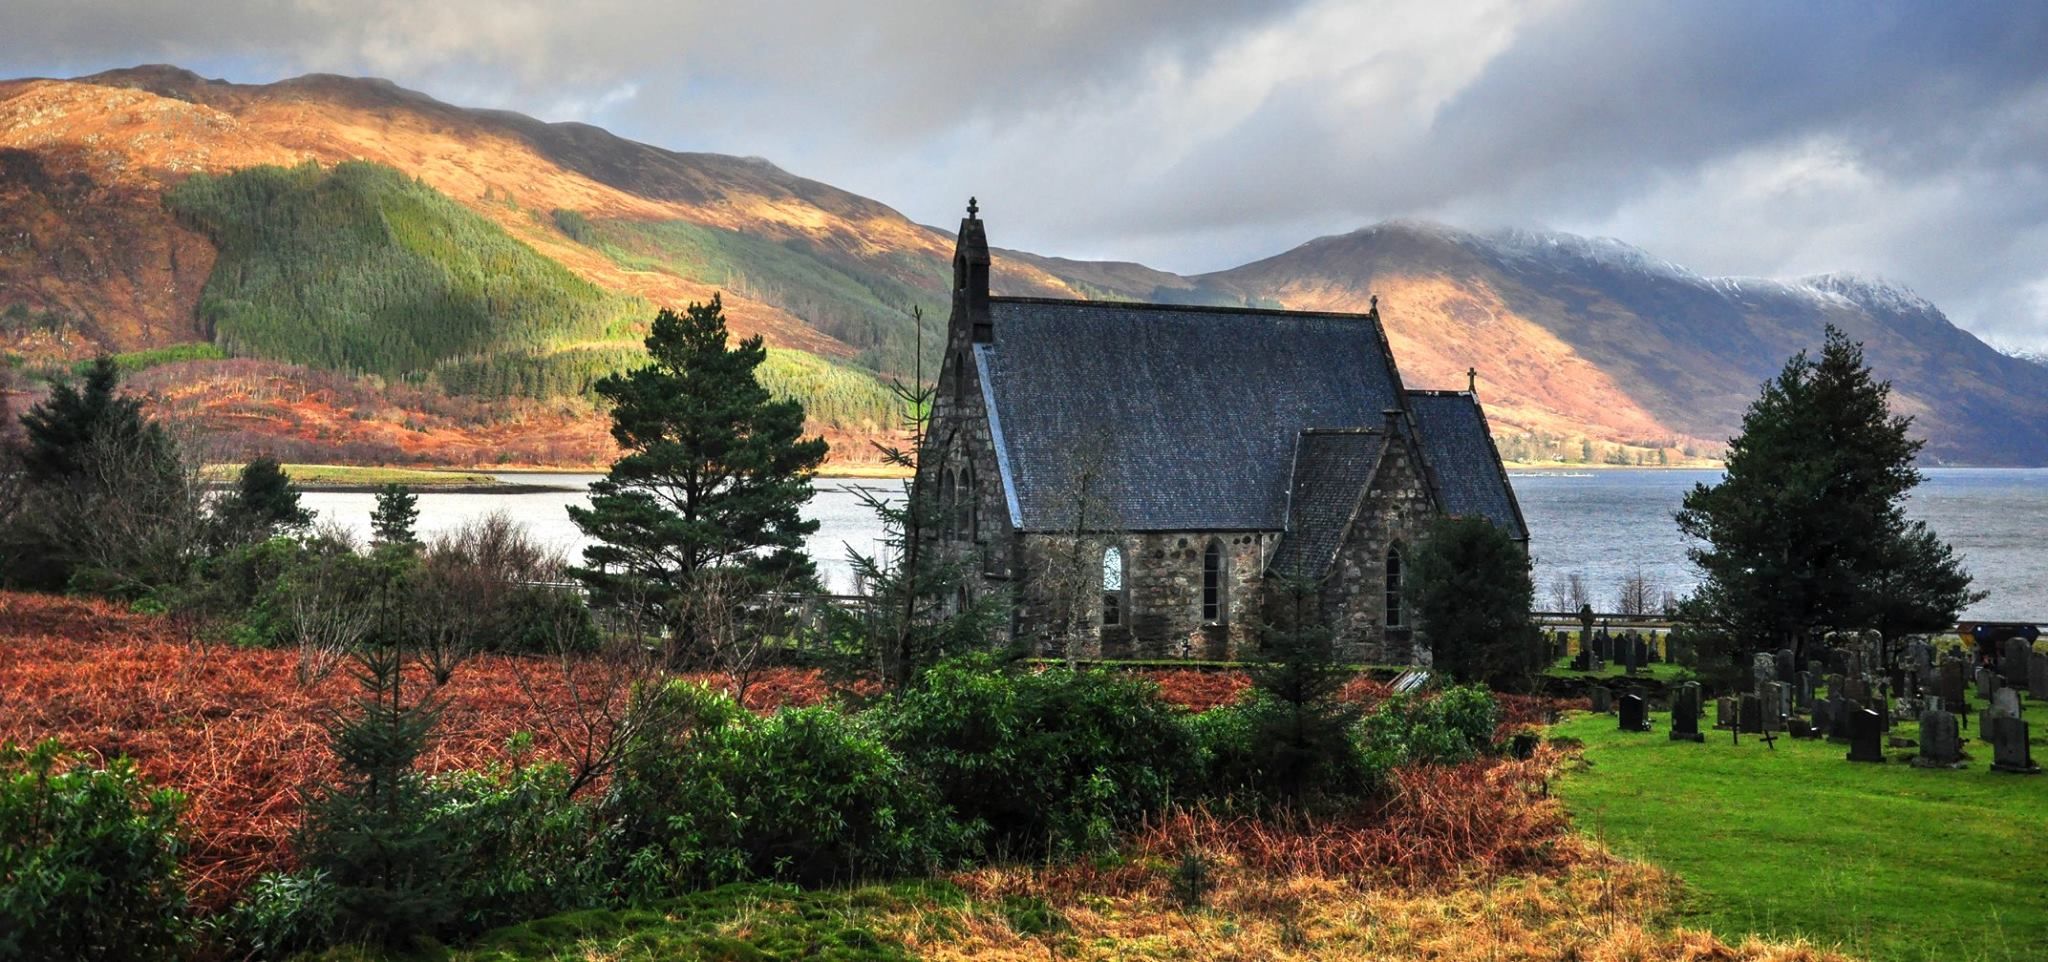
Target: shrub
[1454,726]
[805,795]
[1237,758]
[515,845]
[88,860]
[1470,588]
[280,914]
[1055,761]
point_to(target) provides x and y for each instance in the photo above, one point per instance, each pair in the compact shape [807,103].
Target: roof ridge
[1180,308]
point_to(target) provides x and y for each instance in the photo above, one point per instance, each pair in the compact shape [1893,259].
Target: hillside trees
[1807,532]
[398,509]
[715,475]
[1470,588]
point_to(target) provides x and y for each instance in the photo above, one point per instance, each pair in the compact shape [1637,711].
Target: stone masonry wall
[1162,588]
[1396,509]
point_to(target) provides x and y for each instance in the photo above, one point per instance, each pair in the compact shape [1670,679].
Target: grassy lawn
[347,475]
[1890,861]
[1661,671]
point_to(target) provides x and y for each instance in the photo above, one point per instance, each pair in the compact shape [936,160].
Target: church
[1140,479]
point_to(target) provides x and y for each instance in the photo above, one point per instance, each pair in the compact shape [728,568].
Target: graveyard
[1788,838]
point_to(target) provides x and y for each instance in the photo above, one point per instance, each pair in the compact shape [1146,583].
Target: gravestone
[1752,715]
[1603,700]
[2019,657]
[1838,723]
[1940,745]
[1866,736]
[2009,749]
[2006,701]
[1857,688]
[1763,668]
[1823,717]
[1784,664]
[1779,706]
[1803,684]
[1685,714]
[1634,716]
[1834,683]
[1987,682]
[1631,652]
[1952,689]
[1799,728]
[2037,677]
[1724,712]
[1920,659]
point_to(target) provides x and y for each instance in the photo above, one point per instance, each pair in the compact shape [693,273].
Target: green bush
[517,847]
[1054,762]
[805,795]
[88,860]
[280,914]
[1456,725]
[1234,749]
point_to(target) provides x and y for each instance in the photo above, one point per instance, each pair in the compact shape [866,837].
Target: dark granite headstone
[1845,709]
[1800,728]
[1635,716]
[2019,657]
[1866,736]
[1630,653]
[1940,745]
[1987,682]
[1685,714]
[1952,688]
[1724,712]
[1823,717]
[1752,715]
[1802,684]
[2009,749]
[2037,677]
[1784,660]
[1603,700]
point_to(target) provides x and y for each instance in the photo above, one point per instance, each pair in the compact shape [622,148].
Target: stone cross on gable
[1471,380]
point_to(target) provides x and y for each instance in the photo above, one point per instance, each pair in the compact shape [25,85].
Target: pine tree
[1806,532]
[369,833]
[1300,724]
[61,432]
[397,511]
[1469,587]
[263,503]
[715,475]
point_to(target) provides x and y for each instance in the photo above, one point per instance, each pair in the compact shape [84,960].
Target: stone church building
[1140,477]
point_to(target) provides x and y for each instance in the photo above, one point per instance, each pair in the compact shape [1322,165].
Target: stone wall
[1162,591]
[1396,510]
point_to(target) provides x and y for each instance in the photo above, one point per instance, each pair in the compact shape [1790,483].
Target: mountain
[339,267]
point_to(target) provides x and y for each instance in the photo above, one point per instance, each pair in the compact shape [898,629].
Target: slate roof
[1189,415]
[1464,466]
[1331,470]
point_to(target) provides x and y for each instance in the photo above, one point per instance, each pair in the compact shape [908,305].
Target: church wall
[1163,593]
[1396,508]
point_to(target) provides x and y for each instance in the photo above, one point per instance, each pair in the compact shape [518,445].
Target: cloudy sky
[1903,140]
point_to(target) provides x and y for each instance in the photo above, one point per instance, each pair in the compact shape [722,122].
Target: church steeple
[970,276]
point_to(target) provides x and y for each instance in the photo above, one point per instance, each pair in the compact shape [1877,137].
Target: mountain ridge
[1580,342]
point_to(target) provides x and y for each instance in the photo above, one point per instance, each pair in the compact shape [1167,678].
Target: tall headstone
[2037,676]
[1784,664]
[1724,712]
[1940,745]
[1987,682]
[1823,717]
[2009,749]
[1635,716]
[1685,714]
[1631,652]
[1763,669]
[1952,688]
[1803,685]
[2019,658]
[1839,720]
[1777,706]
[1866,736]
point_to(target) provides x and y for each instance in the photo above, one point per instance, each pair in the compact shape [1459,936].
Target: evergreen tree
[1806,532]
[263,503]
[1468,585]
[715,475]
[397,511]
[370,832]
[60,432]
[1300,725]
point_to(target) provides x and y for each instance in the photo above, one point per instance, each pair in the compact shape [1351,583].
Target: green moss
[1889,861]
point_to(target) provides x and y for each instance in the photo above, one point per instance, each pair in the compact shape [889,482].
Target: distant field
[351,476]
[1894,863]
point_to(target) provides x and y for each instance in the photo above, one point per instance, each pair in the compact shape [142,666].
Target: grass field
[332,476]
[1661,671]
[1889,861]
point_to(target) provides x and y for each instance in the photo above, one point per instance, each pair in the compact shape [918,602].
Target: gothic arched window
[970,510]
[1213,607]
[1395,614]
[949,502]
[1112,587]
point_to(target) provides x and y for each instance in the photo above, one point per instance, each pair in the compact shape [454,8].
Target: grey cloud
[1902,139]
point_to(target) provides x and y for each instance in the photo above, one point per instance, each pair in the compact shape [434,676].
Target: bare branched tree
[466,584]
[738,622]
[330,614]
[1067,580]
[135,521]
[588,708]
[1638,595]
[1568,592]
